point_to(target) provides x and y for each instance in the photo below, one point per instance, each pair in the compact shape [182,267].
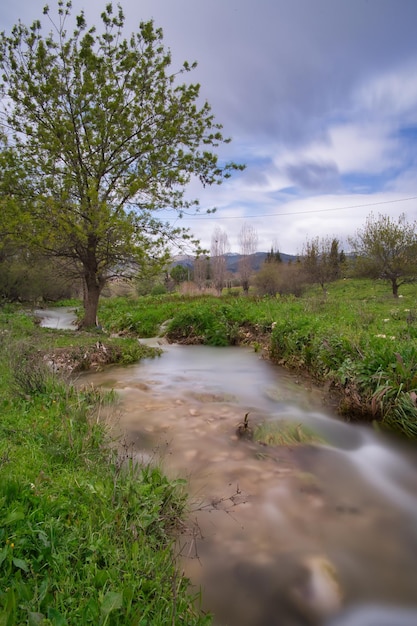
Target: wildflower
[273,324]
[392,338]
[386,319]
[407,310]
[382,336]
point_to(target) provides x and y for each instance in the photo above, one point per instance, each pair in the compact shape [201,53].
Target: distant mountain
[232,260]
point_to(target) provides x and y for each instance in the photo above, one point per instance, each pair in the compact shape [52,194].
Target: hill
[232,260]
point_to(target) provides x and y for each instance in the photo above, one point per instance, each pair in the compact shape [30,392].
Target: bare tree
[201,271]
[248,241]
[219,248]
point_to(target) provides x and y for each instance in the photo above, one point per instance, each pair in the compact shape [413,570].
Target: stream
[62,318]
[302,535]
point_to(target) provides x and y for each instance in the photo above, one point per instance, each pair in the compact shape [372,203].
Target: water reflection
[276,536]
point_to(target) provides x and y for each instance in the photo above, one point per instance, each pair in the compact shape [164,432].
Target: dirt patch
[81,358]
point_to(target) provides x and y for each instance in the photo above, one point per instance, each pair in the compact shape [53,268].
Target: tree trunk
[394,287]
[91,297]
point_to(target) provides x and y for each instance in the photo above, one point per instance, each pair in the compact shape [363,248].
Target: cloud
[314,175]
[391,95]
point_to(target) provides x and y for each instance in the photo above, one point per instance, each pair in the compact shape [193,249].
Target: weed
[285,433]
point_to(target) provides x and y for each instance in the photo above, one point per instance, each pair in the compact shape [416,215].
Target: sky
[318,96]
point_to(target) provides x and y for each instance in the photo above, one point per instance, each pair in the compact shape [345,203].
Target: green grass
[86,536]
[285,433]
[208,318]
[357,337]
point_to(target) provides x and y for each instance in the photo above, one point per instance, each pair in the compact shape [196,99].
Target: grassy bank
[356,338]
[85,536]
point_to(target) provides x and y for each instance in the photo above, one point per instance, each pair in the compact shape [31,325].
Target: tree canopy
[107,135]
[387,249]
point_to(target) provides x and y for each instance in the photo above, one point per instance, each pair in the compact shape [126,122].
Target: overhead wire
[306,212]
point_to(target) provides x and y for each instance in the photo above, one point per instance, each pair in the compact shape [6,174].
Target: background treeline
[383,249]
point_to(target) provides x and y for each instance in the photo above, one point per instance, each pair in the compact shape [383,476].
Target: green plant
[86,535]
[285,433]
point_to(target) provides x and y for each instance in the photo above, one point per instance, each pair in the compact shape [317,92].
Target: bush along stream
[356,339]
[86,536]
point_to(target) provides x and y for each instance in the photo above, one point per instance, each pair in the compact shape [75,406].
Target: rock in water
[317,594]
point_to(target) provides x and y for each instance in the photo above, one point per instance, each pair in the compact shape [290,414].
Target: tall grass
[86,537]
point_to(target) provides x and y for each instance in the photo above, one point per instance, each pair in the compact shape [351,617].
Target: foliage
[268,279]
[275,277]
[141,316]
[205,324]
[322,260]
[86,537]
[30,278]
[180,273]
[106,136]
[387,249]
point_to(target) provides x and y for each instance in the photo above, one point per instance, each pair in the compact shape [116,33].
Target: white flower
[382,336]
[386,319]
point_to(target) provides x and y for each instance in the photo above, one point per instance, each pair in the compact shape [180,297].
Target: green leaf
[14,516]
[9,608]
[21,564]
[34,619]
[111,601]
[56,618]
[3,554]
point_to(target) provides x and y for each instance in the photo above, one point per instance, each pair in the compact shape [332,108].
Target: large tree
[108,135]
[387,248]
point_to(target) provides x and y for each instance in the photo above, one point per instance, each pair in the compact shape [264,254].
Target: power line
[343,208]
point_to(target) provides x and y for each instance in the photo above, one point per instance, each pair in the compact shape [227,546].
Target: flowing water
[62,318]
[302,535]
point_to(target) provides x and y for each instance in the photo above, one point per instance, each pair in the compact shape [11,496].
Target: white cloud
[391,95]
[351,148]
